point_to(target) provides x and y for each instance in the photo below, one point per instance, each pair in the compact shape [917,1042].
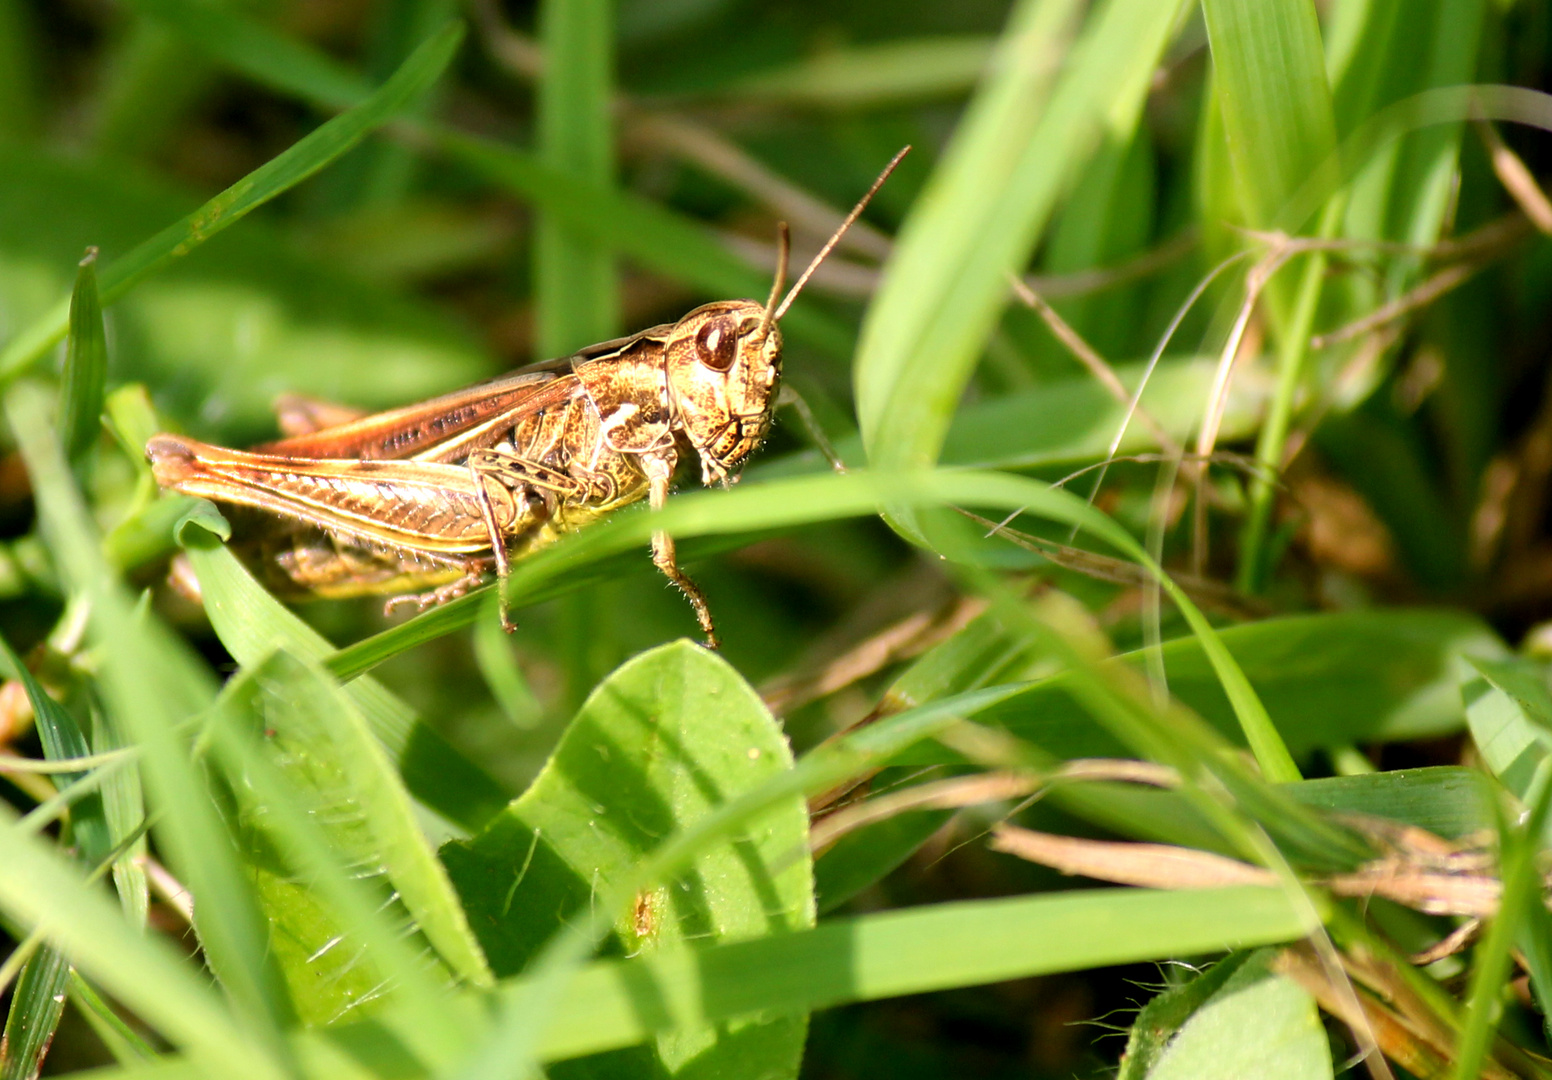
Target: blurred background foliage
[1382,452]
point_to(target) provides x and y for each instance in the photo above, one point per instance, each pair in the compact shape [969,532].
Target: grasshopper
[429,499]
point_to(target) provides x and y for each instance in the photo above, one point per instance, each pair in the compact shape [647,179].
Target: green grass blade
[785,503]
[575,294]
[252,624]
[290,168]
[85,379]
[36,1006]
[152,686]
[987,203]
[1270,76]
[146,973]
[908,952]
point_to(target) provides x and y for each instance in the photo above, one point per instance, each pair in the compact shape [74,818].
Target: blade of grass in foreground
[153,686]
[802,500]
[302,160]
[144,972]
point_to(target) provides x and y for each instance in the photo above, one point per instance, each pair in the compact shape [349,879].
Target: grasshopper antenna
[783,253]
[824,252]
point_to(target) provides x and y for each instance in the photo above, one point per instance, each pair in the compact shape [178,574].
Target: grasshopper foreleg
[660,470]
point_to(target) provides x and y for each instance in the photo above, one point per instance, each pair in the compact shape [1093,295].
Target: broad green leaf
[252,624]
[296,164]
[1258,1023]
[86,366]
[668,738]
[320,742]
[1161,1019]
[575,293]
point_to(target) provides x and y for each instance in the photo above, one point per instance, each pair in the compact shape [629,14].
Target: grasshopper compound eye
[716,345]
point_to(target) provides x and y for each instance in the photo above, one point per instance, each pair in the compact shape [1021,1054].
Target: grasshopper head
[724,361]
[724,364]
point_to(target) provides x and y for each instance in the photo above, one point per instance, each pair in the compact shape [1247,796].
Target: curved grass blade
[277,175]
[987,203]
[803,500]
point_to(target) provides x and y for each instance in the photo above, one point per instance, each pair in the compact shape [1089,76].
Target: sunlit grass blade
[1270,77]
[803,500]
[288,169]
[152,686]
[1019,146]
[906,952]
[85,379]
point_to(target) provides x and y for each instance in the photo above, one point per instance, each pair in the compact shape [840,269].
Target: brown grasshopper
[434,496]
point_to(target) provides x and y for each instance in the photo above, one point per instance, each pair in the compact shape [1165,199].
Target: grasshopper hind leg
[474,575]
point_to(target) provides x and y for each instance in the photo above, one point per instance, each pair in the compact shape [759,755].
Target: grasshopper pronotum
[435,495]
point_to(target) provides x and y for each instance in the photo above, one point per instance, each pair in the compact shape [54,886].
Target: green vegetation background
[1341,457]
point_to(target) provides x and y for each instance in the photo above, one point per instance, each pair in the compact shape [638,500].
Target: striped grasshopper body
[436,495]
